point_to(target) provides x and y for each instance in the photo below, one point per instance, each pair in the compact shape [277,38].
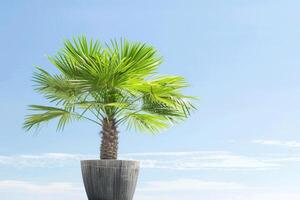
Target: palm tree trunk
[109,143]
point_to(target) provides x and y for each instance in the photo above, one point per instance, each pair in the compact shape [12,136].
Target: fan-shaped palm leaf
[113,83]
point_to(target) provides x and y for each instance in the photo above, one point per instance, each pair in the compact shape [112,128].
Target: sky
[241,58]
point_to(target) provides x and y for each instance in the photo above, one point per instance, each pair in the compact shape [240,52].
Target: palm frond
[115,80]
[47,113]
[132,60]
[170,113]
[57,88]
[146,122]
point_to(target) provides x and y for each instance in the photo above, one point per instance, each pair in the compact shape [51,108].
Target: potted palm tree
[110,85]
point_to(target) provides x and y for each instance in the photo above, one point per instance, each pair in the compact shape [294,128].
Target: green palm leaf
[46,114]
[146,122]
[112,81]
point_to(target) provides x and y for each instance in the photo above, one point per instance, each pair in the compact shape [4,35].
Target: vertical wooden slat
[110,179]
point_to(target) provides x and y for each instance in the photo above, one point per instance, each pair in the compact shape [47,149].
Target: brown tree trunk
[109,143]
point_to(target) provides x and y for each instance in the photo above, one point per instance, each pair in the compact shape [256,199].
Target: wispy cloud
[187,185]
[190,160]
[42,160]
[20,190]
[203,189]
[251,194]
[291,143]
[39,187]
[199,160]
[161,189]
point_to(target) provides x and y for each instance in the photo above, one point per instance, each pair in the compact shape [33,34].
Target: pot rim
[110,160]
[111,163]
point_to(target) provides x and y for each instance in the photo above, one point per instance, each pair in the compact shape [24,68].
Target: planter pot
[109,179]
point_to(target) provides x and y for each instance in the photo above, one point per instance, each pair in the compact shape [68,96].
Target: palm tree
[109,85]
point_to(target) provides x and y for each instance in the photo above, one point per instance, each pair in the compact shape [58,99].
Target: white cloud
[199,160]
[294,144]
[283,159]
[20,190]
[191,160]
[187,185]
[191,189]
[179,189]
[48,160]
[38,187]
[248,194]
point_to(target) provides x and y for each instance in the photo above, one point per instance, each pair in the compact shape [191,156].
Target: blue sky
[240,57]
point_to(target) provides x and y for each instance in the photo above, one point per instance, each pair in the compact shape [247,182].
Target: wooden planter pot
[109,179]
